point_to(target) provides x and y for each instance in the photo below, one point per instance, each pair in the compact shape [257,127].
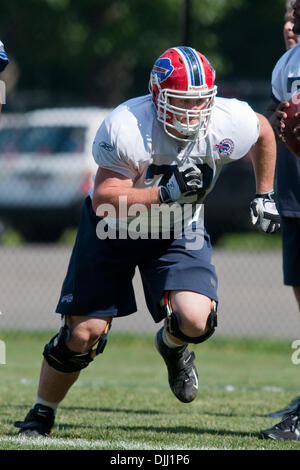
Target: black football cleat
[288,429]
[37,423]
[292,406]
[182,373]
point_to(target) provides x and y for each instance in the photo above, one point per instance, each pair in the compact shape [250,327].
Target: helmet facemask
[169,115]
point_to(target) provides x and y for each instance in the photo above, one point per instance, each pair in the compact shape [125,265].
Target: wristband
[164,195]
[268,194]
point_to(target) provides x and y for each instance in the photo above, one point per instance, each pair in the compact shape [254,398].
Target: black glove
[264,213]
[185,180]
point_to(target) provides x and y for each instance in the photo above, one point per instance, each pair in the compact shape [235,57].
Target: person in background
[290,38]
[287,70]
[3,62]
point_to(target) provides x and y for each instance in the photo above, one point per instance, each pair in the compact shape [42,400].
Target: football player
[155,153]
[285,82]
[289,37]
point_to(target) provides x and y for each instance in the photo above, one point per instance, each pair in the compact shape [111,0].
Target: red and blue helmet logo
[162,68]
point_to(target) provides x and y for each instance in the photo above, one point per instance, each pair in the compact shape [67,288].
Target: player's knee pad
[173,323]
[61,358]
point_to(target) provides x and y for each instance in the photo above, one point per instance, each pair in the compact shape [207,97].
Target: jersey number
[166,171]
[293,84]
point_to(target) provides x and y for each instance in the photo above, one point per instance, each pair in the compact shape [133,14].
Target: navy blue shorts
[99,277]
[290,230]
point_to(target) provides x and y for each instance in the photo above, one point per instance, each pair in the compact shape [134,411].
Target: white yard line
[227,388]
[45,442]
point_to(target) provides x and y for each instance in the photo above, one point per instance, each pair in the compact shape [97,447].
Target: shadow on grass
[142,411]
[159,429]
[99,410]
[112,410]
[234,415]
[182,430]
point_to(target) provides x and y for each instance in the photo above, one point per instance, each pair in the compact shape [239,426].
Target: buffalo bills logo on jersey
[225,147]
[67,298]
[162,68]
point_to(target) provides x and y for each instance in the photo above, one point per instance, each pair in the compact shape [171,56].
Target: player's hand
[264,214]
[296,129]
[185,181]
[277,120]
[278,124]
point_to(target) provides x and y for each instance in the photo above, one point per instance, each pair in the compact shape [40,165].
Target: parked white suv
[46,168]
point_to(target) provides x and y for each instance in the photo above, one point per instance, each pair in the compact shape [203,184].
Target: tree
[101,51]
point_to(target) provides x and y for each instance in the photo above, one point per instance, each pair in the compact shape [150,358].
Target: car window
[42,140]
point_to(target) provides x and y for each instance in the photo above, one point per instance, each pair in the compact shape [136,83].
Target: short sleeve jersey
[285,82]
[131,141]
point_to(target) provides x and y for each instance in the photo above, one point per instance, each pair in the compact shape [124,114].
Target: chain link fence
[253,301]
[46,170]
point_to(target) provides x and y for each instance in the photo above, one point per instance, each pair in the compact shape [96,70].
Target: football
[290,123]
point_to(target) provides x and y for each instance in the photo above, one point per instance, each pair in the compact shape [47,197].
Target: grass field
[249,241]
[122,400]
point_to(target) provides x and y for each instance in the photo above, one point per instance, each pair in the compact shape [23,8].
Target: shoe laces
[185,365]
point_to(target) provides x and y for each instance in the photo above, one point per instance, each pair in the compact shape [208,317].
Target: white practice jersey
[131,141]
[286,75]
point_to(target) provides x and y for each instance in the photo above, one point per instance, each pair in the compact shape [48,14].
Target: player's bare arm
[263,155]
[109,186]
[263,209]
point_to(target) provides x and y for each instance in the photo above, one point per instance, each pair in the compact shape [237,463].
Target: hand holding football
[292,125]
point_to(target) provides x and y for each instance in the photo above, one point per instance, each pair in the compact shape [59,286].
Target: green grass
[11,237]
[249,241]
[252,241]
[122,400]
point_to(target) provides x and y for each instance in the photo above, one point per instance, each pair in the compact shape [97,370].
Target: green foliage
[11,238]
[101,51]
[251,38]
[252,241]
